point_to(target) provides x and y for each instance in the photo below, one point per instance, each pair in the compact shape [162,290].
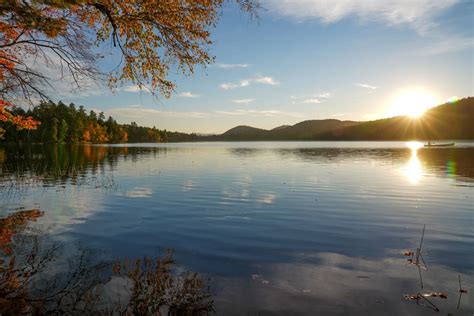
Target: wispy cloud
[339,114]
[240,84]
[246,82]
[135,89]
[366,86]
[311,99]
[449,45]
[138,111]
[243,101]
[62,82]
[266,80]
[267,113]
[188,94]
[232,66]
[418,14]
[325,95]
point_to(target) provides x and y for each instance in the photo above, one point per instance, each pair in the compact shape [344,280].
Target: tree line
[61,123]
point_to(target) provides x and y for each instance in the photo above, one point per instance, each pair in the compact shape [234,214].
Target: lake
[284,228]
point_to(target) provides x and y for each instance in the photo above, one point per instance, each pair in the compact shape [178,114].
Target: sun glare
[412,103]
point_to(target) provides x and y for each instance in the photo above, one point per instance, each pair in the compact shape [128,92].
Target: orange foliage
[151,36]
[123,137]
[12,224]
[19,121]
[86,136]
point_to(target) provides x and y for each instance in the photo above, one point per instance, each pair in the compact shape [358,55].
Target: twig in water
[418,297]
[461,291]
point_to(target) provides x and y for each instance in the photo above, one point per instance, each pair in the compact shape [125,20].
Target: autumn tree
[149,36]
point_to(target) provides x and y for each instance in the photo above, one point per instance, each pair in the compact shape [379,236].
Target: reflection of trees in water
[50,165]
[444,161]
[13,224]
[325,155]
[154,286]
[449,161]
[245,152]
[56,164]
[38,276]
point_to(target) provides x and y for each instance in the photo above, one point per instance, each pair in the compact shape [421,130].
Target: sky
[311,59]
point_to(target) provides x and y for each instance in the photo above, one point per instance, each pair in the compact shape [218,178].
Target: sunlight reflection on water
[413,169]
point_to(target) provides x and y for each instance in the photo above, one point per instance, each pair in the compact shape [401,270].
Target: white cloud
[243,101]
[325,95]
[268,113]
[339,114]
[366,86]
[419,14]
[135,89]
[232,66]
[188,94]
[246,82]
[240,84]
[266,80]
[137,112]
[311,101]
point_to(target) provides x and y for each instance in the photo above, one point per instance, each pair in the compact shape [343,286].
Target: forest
[61,123]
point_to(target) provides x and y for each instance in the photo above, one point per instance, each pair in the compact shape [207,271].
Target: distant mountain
[306,130]
[243,132]
[280,127]
[446,121]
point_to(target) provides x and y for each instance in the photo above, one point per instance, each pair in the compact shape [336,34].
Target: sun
[412,103]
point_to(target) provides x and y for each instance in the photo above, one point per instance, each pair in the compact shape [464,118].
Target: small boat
[430,144]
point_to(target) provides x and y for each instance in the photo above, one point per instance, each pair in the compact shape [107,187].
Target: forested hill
[447,121]
[61,123]
[306,130]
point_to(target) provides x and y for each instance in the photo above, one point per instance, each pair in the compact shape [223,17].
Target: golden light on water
[412,103]
[414,146]
[413,169]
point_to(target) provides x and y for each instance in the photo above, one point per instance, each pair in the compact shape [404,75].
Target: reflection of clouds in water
[60,211]
[246,179]
[266,198]
[188,185]
[342,285]
[239,189]
[242,195]
[259,278]
[245,193]
[138,192]
[235,217]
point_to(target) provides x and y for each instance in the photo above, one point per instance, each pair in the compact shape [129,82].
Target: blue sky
[311,59]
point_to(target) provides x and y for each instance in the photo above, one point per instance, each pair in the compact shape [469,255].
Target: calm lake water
[290,228]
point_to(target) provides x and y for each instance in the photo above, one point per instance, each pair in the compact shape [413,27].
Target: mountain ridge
[446,121]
